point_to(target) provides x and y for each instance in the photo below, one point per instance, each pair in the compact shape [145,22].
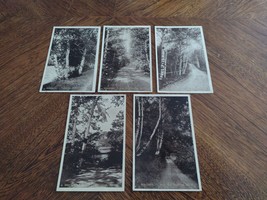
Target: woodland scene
[93,156]
[164,148]
[72,59]
[181,60]
[126,59]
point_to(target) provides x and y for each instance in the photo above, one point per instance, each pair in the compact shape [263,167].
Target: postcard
[126,59]
[93,155]
[164,147]
[72,60]
[181,60]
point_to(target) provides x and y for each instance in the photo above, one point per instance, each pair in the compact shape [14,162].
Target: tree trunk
[56,61]
[159,141]
[163,64]
[106,45]
[138,119]
[141,124]
[67,55]
[146,51]
[181,65]
[87,131]
[82,61]
[154,131]
[185,66]
[160,134]
[197,61]
[73,131]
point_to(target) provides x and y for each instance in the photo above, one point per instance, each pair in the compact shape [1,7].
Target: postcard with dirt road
[72,60]
[181,60]
[126,59]
[93,155]
[164,147]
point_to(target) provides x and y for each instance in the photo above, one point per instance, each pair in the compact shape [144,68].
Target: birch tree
[95,111]
[140,122]
[154,130]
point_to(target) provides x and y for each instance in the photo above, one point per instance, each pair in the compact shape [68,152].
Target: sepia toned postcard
[164,146]
[126,59]
[181,60]
[72,60]
[93,155]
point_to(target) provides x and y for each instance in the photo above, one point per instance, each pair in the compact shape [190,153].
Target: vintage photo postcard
[93,155]
[72,60]
[126,59]
[181,60]
[164,147]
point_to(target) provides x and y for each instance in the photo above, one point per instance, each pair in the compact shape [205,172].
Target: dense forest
[72,59]
[179,50]
[126,59]
[94,142]
[162,135]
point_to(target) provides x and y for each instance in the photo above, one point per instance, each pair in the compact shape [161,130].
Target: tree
[176,49]
[95,111]
[140,122]
[70,48]
[154,131]
[116,132]
[170,111]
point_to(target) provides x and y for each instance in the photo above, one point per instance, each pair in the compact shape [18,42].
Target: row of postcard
[164,147]
[126,60]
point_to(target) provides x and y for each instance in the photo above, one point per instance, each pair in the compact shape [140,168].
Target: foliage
[69,47]
[178,48]
[123,47]
[85,138]
[174,131]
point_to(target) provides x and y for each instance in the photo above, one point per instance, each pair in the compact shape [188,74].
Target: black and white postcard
[72,60]
[93,155]
[181,60]
[164,147]
[126,59]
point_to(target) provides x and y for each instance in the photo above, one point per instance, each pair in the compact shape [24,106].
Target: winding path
[196,80]
[173,178]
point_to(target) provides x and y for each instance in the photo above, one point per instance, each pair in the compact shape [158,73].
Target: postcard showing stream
[164,147]
[126,59]
[181,60]
[93,155]
[72,60]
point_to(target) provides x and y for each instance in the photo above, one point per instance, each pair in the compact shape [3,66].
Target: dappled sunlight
[99,177]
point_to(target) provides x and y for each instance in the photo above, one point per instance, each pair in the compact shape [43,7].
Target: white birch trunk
[87,131]
[73,131]
[106,45]
[154,131]
[82,62]
[141,125]
[165,64]
[67,57]
[197,62]
[138,119]
[181,65]
[185,66]
[147,53]
[56,61]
